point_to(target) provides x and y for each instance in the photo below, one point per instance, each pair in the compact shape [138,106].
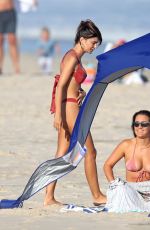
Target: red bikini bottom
[70,99]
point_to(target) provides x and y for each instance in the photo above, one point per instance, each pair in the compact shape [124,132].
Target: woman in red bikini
[135,151]
[66,100]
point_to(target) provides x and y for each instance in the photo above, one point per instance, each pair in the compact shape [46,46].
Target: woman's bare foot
[51,202]
[102,199]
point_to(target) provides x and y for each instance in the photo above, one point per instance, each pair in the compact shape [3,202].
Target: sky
[116,19]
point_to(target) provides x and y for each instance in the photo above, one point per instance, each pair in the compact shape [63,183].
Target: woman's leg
[90,157]
[1,51]
[72,110]
[14,53]
[91,172]
[62,147]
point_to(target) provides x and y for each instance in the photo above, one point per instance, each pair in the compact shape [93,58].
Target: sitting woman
[134,194]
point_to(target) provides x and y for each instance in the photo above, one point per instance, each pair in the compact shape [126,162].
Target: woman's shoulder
[70,56]
[126,142]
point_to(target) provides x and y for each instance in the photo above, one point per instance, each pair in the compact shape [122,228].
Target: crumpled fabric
[124,196]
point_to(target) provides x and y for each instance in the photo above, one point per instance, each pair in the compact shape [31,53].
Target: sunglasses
[143,124]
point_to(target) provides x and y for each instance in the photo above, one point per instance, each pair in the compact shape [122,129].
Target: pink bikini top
[132,167]
[79,74]
[130,164]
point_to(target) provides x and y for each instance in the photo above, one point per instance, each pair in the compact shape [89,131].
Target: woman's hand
[57,122]
[115,183]
[81,96]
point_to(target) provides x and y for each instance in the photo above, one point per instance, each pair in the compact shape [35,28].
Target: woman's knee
[91,153]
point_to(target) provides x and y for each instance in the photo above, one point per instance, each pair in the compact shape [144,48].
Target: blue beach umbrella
[111,65]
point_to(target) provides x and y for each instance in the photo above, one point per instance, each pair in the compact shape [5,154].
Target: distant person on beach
[8,22]
[136,154]
[112,45]
[8,26]
[135,77]
[25,6]
[91,72]
[46,48]
[66,105]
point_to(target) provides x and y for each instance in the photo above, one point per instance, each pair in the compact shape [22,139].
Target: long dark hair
[87,29]
[141,112]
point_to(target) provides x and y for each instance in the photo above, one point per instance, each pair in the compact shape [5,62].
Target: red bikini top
[79,74]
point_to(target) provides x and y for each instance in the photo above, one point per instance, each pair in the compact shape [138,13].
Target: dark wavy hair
[141,112]
[87,29]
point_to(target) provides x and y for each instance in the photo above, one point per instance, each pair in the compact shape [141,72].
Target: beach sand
[28,138]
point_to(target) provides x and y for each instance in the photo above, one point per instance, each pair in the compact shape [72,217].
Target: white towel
[128,197]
